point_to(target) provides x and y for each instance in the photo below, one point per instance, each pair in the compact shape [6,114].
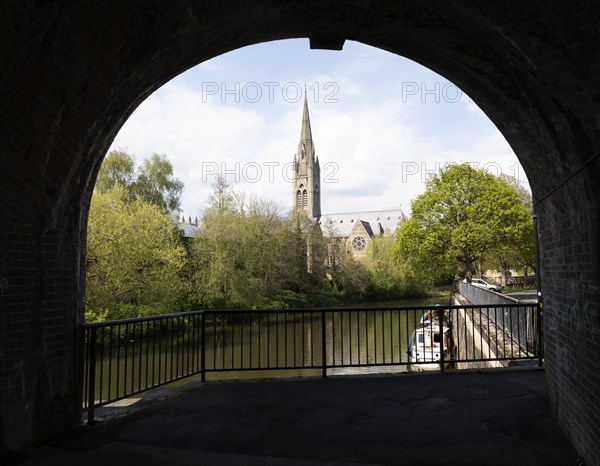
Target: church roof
[378,221]
[188,230]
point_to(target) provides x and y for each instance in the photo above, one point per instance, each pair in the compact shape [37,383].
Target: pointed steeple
[307,173]
[306,142]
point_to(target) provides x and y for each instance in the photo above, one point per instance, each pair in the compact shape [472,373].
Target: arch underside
[71,76]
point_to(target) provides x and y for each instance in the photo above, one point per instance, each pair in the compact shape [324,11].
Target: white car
[483,284]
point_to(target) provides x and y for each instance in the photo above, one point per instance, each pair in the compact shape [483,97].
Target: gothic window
[304,198]
[359,243]
[298,199]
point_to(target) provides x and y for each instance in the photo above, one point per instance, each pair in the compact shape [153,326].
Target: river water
[377,339]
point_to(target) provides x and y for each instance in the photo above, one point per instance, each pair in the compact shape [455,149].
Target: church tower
[307,172]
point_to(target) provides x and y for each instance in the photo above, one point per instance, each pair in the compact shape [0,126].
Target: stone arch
[72,74]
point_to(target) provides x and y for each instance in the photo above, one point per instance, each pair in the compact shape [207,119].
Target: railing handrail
[300,309]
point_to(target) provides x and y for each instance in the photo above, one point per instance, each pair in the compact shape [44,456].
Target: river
[379,339]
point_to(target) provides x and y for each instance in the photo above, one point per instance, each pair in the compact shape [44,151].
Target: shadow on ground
[468,418]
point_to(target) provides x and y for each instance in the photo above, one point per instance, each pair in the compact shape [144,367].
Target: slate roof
[188,230]
[378,221]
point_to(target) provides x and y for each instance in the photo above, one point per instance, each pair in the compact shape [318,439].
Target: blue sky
[380,124]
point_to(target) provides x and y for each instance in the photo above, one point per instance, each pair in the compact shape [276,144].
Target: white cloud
[378,148]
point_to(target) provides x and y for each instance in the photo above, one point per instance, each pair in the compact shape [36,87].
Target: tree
[385,277]
[134,258]
[118,168]
[157,184]
[154,181]
[463,213]
[517,248]
[248,255]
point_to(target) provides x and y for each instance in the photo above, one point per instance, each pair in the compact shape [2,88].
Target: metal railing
[124,358]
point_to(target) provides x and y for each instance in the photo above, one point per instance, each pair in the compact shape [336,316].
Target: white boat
[425,345]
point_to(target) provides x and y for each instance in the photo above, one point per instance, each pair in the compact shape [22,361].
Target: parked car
[483,284]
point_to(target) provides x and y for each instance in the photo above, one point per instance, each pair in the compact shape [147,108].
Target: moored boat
[428,340]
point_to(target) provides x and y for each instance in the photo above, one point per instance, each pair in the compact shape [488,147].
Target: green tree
[157,184]
[134,258]
[516,248]
[248,255]
[385,277]
[154,181]
[118,168]
[463,214]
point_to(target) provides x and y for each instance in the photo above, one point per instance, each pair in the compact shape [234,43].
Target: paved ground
[468,418]
[527,296]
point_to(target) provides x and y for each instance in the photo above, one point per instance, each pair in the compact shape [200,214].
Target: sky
[381,124]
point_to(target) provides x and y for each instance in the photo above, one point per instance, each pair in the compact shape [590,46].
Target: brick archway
[72,73]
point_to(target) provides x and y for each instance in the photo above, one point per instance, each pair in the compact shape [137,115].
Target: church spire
[307,172]
[306,146]
[305,134]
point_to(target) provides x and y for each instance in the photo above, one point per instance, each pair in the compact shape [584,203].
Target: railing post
[92,374]
[540,338]
[203,349]
[442,359]
[323,344]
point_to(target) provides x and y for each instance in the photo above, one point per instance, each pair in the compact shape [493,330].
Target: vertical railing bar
[350,337]
[172,345]
[203,347]
[85,331]
[303,340]
[277,339]
[358,338]
[390,312]
[442,358]
[496,322]
[250,331]
[242,341]
[285,340]
[92,383]
[117,384]
[367,352]
[342,331]
[540,341]
[259,341]
[374,334]
[125,374]
[160,355]
[153,351]
[504,332]
[520,311]
[481,332]
[323,345]
[177,347]
[333,338]
[510,324]
[268,340]
[232,344]
[140,357]
[488,332]
[294,338]
[133,341]
[110,358]
[196,346]
[101,364]
[383,314]
[312,338]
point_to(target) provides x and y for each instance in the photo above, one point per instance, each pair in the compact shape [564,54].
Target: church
[352,231]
